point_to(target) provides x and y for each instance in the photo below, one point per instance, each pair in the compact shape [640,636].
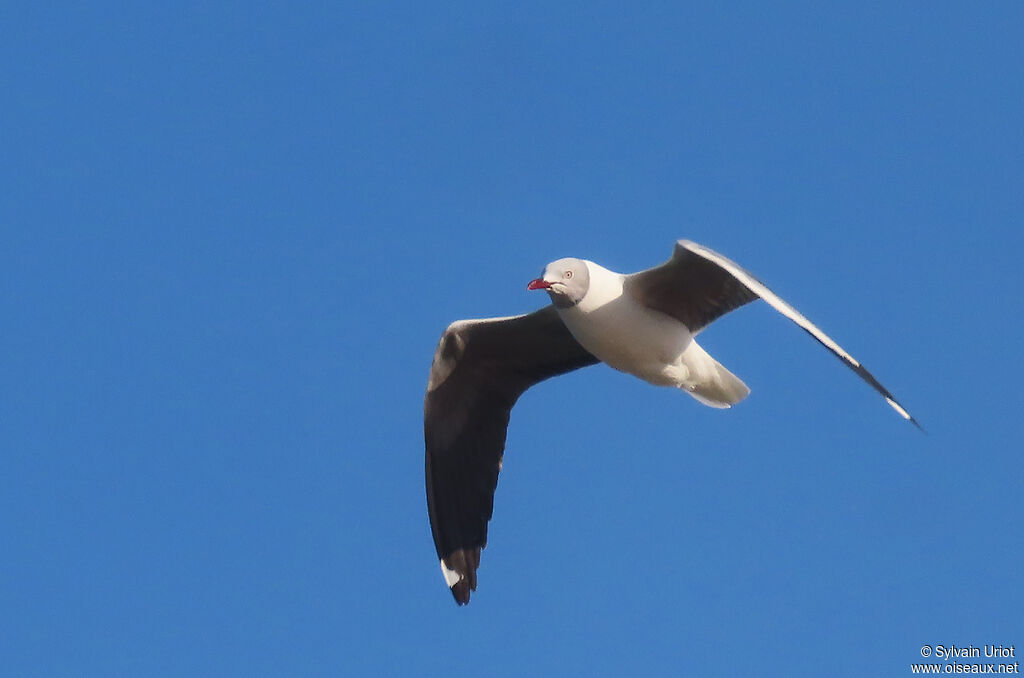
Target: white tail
[708,381]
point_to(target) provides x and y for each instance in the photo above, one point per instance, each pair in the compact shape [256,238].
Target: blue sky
[233,234]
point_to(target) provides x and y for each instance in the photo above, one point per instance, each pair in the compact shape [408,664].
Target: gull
[642,323]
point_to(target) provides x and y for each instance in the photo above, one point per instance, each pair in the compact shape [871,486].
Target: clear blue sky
[233,233]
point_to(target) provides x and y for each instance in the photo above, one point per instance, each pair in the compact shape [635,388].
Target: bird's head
[566,282]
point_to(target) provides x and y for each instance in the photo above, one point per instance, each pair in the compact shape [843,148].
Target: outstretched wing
[480,369]
[698,285]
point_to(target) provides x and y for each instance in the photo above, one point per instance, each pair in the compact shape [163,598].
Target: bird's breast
[629,337]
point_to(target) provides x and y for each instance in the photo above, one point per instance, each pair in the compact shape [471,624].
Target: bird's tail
[708,381]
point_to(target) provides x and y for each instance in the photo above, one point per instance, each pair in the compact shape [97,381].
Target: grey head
[566,281]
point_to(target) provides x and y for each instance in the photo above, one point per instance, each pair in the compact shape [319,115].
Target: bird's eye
[568,274]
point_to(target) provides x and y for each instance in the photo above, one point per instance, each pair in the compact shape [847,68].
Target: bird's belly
[631,339]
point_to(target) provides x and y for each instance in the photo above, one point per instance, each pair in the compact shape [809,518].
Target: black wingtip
[461,563]
[461,591]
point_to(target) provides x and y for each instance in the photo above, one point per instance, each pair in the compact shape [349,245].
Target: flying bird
[642,323]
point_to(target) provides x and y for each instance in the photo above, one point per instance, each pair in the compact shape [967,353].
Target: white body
[646,343]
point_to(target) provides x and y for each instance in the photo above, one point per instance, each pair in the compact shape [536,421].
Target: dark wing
[697,285]
[690,288]
[480,369]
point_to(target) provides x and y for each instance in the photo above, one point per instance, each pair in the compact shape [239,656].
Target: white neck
[605,286]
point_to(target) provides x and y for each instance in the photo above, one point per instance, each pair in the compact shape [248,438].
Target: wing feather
[690,288]
[480,369]
[698,285]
